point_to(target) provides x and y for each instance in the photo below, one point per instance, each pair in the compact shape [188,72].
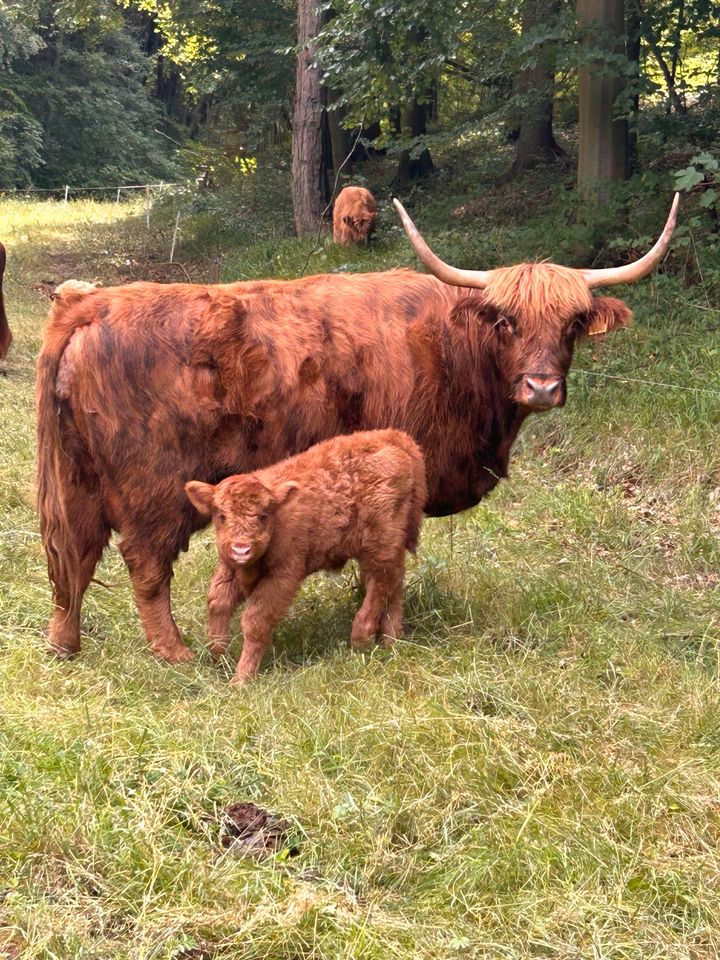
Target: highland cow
[141,388]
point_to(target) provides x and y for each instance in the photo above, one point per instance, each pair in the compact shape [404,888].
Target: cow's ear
[201,495]
[284,491]
[605,315]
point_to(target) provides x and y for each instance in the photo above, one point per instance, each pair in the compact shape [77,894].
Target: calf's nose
[544,392]
[241,552]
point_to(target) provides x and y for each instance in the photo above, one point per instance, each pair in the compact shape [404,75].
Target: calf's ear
[605,315]
[201,496]
[284,491]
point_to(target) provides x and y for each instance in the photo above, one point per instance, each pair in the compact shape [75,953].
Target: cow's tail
[5,334]
[56,477]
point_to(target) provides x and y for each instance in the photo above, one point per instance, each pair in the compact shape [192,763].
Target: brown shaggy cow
[354,215]
[143,387]
[5,335]
[359,496]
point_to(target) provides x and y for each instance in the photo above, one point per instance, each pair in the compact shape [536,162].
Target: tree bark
[603,151]
[310,188]
[633,48]
[534,88]
[413,123]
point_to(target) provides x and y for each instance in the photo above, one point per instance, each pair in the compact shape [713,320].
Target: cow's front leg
[267,605]
[224,595]
[151,577]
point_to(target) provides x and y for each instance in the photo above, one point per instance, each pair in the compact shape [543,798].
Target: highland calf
[359,496]
[354,216]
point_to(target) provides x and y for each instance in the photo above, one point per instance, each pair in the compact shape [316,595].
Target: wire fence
[67,191]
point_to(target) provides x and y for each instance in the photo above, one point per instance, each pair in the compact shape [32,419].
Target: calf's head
[244,513]
[533,313]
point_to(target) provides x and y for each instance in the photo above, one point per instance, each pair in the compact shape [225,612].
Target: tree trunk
[603,151]
[668,75]
[310,189]
[413,123]
[534,88]
[633,47]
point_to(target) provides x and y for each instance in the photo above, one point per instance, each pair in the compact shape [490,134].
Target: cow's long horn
[443,271]
[630,272]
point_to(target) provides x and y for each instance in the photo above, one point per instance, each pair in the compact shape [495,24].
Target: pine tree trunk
[310,191]
[603,152]
[535,88]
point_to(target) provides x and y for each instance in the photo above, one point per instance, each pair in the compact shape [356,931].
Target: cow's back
[171,382]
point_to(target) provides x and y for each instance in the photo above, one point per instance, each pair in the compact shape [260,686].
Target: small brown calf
[356,496]
[354,215]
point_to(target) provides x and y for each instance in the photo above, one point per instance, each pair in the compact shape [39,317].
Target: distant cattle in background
[354,216]
[5,335]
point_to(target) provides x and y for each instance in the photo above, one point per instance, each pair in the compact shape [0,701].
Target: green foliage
[238,55]
[83,114]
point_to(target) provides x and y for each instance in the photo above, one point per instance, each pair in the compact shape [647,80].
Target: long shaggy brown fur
[359,496]
[354,216]
[143,387]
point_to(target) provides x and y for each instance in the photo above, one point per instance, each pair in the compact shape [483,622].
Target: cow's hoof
[63,652]
[179,654]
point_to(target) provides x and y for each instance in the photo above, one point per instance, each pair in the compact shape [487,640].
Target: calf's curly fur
[354,216]
[358,496]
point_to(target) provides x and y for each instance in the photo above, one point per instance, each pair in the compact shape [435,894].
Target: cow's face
[360,225]
[244,513]
[536,312]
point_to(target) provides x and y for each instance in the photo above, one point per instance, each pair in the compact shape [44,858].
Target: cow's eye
[220,517]
[504,323]
[264,516]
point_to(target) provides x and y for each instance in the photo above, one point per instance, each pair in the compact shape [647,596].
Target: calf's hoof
[177,654]
[216,648]
[361,644]
[385,641]
[241,680]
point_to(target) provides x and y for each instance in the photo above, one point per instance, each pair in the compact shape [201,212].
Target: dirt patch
[253,831]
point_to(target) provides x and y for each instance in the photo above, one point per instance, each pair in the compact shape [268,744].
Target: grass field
[534,772]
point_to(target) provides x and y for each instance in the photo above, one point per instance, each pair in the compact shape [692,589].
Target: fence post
[67,190]
[175,233]
[117,199]
[147,206]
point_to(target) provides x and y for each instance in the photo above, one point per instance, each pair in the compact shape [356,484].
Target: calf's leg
[391,620]
[381,611]
[266,606]
[224,595]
